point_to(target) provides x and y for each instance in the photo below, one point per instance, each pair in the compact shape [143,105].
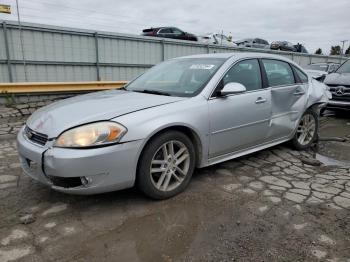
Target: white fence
[66,54]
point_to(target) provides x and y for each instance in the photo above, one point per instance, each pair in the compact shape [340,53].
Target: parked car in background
[216,39]
[181,114]
[169,32]
[319,71]
[300,48]
[339,85]
[253,42]
[283,46]
[288,46]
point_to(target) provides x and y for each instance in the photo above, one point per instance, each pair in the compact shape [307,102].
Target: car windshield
[178,77]
[320,67]
[344,68]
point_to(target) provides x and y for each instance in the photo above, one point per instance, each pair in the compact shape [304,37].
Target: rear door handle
[260,100]
[299,93]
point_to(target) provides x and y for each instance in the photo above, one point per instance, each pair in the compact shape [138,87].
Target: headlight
[95,134]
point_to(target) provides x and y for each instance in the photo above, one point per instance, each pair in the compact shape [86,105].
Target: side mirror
[232,88]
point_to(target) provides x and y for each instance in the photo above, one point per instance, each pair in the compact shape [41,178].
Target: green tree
[318,51]
[347,52]
[335,50]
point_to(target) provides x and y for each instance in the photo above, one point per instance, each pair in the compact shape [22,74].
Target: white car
[216,39]
[319,71]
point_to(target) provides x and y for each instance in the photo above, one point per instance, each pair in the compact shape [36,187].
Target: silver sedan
[182,114]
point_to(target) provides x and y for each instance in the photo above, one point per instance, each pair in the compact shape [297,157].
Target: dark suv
[288,46]
[169,32]
[339,84]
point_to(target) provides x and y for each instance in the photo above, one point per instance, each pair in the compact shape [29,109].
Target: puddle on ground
[328,161]
[334,153]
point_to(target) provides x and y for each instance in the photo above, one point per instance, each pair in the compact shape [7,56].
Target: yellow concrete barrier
[48,87]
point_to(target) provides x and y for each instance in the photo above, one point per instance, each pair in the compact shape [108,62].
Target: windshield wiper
[122,88]
[154,92]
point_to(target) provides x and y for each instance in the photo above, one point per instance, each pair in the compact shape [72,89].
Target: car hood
[57,117]
[337,79]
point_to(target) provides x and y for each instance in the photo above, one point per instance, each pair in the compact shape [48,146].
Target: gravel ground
[275,205]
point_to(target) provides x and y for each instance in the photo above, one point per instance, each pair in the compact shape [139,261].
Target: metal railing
[57,54]
[53,87]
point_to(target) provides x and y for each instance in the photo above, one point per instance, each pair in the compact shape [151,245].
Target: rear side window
[247,73]
[303,77]
[278,73]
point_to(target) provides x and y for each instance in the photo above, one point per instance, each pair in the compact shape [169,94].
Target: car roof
[242,55]
[323,63]
[238,56]
[157,28]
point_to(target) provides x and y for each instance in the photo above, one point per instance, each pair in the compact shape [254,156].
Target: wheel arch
[188,131]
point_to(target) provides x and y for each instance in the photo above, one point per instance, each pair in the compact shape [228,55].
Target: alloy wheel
[306,129]
[170,165]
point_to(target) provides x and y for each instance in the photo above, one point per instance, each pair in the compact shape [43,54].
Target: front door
[240,121]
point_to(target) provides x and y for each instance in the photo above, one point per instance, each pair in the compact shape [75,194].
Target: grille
[333,85]
[35,137]
[66,182]
[340,92]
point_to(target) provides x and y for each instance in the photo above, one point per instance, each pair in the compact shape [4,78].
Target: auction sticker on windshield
[202,66]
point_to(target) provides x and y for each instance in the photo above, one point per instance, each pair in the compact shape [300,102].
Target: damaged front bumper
[80,171]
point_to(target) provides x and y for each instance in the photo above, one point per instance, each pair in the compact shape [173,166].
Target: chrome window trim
[247,92]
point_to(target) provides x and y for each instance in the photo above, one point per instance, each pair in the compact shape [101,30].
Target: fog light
[85,181]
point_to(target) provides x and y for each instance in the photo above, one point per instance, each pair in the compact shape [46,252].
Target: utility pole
[22,44]
[342,50]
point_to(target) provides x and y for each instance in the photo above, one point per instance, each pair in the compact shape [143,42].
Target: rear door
[287,97]
[240,121]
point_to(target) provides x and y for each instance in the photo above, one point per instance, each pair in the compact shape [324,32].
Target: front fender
[144,124]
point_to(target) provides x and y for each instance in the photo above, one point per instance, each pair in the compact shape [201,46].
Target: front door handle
[299,93]
[260,100]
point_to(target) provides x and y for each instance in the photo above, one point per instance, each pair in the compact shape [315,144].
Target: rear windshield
[344,68]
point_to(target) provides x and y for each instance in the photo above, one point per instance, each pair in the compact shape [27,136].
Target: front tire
[166,165]
[307,130]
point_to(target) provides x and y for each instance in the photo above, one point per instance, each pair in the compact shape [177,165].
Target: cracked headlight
[95,134]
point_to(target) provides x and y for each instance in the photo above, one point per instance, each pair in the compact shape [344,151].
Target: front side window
[178,77]
[247,73]
[278,73]
[177,31]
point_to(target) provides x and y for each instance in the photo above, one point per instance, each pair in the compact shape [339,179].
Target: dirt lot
[275,205]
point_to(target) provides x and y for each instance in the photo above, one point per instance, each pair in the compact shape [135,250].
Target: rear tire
[166,165]
[307,130]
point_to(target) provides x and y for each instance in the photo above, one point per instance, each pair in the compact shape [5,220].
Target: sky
[314,23]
